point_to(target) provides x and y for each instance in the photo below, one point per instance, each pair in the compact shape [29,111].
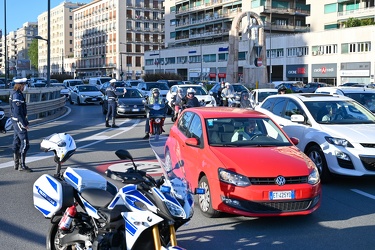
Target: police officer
[112,103]
[20,125]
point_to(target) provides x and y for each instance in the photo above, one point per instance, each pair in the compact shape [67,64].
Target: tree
[33,53]
[355,22]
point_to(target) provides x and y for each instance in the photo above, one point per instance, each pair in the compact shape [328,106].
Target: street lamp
[121,53]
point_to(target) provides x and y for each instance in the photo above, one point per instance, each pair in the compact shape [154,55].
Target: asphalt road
[345,219]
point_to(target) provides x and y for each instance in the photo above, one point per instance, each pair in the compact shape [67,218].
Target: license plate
[135,110]
[282,195]
[94,99]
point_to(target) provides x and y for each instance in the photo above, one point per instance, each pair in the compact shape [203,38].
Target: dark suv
[311,87]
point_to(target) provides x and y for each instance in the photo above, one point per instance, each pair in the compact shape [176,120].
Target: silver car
[85,93]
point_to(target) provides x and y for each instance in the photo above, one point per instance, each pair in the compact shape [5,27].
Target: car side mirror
[297,118]
[294,140]
[192,142]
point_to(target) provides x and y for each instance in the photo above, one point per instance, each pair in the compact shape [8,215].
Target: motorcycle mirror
[124,154]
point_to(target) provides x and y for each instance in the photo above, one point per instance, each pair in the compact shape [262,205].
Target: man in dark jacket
[190,100]
[18,112]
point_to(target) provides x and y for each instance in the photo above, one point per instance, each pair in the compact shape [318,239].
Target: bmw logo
[280,180]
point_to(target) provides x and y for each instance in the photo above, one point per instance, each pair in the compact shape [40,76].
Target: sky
[22,11]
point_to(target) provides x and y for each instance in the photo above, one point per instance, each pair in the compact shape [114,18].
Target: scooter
[87,212]
[156,113]
[5,122]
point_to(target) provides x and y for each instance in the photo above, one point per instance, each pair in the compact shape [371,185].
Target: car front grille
[271,180]
[276,207]
[368,162]
[368,145]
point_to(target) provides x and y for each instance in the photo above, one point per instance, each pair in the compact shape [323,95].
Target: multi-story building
[111,36]
[18,43]
[61,39]
[331,52]
[193,26]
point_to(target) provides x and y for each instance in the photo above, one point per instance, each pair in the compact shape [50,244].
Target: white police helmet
[190,90]
[62,144]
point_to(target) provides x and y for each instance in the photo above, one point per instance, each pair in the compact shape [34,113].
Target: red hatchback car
[244,161]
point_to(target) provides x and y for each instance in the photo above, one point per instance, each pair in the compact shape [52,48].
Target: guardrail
[41,102]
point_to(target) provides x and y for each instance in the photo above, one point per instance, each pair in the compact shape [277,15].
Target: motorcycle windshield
[173,172]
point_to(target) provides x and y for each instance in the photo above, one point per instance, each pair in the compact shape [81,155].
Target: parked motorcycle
[5,122]
[156,113]
[88,212]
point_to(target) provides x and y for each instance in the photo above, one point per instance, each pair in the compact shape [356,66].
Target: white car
[258,95]
[200,92]
[343,144]
[85,93]
[146,87]
[365,96]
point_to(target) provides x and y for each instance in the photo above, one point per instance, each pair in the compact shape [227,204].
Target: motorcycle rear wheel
[52,239]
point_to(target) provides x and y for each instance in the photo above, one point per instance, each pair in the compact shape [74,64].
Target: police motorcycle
[156,114]
[87,212]
[5,122]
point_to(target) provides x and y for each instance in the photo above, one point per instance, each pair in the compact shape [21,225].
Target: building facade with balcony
[197,25]
[18,43]
[111,36]
[61,39]
[333,53]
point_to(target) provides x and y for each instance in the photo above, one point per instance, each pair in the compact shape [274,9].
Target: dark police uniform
[18,111]
[112,105]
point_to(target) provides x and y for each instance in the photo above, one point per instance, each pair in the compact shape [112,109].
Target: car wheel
[78,101]
[316,154]
[205,202]
[168,161]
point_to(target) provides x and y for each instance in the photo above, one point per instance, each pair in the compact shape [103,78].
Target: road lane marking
[364,193]
[97,137]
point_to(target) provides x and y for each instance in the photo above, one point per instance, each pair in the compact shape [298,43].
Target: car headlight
[233,178]
[314,177]
[176,211]
[338,142]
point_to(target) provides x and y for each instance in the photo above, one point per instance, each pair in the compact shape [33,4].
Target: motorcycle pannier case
[82,179]
[52,195]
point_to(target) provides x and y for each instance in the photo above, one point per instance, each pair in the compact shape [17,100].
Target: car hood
[360,133]
[264,161]
[203,97]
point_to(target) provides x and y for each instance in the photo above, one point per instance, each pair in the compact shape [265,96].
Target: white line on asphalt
[363,193]
[97,137]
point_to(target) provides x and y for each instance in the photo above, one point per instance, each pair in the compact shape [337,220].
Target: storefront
[357,72]
[297,72]
[324,73]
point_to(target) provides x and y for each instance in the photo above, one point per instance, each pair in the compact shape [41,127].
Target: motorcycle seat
[97,197]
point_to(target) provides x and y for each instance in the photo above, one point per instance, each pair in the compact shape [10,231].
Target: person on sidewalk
[112,104]
[18,111]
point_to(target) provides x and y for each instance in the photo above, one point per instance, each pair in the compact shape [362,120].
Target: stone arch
[232,67]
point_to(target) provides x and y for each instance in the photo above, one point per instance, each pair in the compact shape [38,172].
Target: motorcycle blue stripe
[113,203]
[87,205]
[72,178]
[140,196]
[43,211]
[130,227]
[53,183]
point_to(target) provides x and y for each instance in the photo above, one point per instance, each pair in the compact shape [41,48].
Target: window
[223,57]
[292,109]
[195,130]
[278,106]
[183,123]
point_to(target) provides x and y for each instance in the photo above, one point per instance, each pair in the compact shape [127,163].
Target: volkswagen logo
[135,106]
[280,180]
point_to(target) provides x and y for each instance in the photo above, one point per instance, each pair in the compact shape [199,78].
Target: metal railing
[41,102]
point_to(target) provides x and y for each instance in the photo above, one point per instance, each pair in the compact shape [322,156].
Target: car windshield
[239,132]
[239,88]
[339,112]
[161,86]
[87,88]
[366,99]
[198,90]
[130,93]
[74,83]
[133,83]
[264,95]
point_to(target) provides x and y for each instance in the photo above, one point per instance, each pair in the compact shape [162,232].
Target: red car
[244,161]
